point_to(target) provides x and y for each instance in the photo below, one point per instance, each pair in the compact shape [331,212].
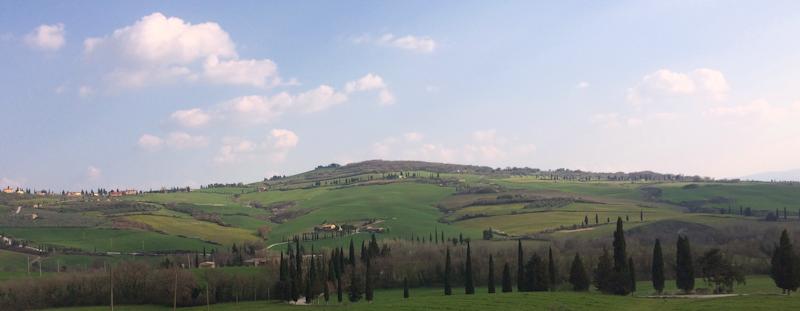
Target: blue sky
[145,94]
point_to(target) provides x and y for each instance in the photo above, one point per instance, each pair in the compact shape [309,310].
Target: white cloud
[191,117]
[93,173]
[85,91]
[664,84]
[759,110]
[158,39]
[175,140]
[283,139]
[258,109]
[233,148]
[417,44]
[321,98]
[158,49]
[413,137]
[582,85]
[150,142]
[276,145]
[182,140]
[259,73]
[482,147]
[371,82]
[46,37]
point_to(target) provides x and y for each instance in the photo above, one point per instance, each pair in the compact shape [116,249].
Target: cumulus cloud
[191,117]
[259,109]
[159,39]
[276,145]
[46,37]
[174,140]
[182,140]
[371,82]
[664,84]
[582,85]
[259,73]
[158,49]
[150,142]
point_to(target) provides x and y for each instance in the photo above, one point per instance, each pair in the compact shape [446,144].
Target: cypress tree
[352,259]
[490,280]
[535,274]
[326,292]
[469,286]
[520,268]
[368,281]
[658,268]
[785,265]
[356,286]
[405,287]
[577,275]
[339,289]
[603,273]
[364,253]
[551,269]
[506,278]
[447,290]
[684,269]
[620,280]
[632,274]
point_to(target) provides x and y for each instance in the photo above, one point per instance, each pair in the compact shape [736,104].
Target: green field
[106,240]
[192,228]
[757,196]
[757,295]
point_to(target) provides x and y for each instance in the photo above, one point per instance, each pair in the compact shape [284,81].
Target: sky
[142,94]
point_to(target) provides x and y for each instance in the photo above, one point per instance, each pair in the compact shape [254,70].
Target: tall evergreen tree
[577,275]
[620,280]
[447,268]
[785,269]
[352,258]
[356,286]
[405,287]
[684,269]
[603,273]
[364,253]
[658,268]
[520,268]
[535,274]
[339,289]
[490,279]
[506,278]
[368,281]
[469,286]
[551,269]
[632,274]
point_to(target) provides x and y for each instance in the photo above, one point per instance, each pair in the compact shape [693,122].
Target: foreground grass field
[758,294]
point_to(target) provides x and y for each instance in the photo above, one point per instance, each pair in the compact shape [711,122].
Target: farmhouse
[327,227]
[8,190]
[74,194]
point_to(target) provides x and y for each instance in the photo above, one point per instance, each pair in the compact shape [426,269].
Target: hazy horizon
[165,94]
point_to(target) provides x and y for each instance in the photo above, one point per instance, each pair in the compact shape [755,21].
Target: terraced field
[196,229]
